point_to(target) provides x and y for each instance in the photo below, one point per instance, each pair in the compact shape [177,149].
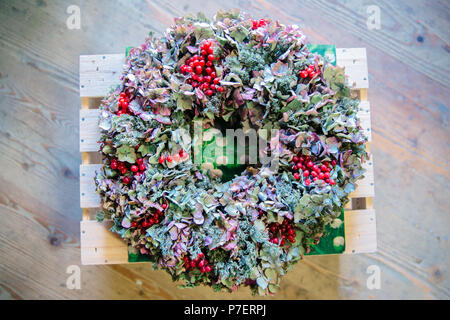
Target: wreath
[233,72]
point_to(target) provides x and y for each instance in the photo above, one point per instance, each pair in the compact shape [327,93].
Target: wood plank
[88,197]
[360,231]
[90,133]
[355,62]
[89,130]
[99,73]
[101,246]
[365,186]
[364,116]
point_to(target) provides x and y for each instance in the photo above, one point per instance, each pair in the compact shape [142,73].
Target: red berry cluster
[202,70]
[279,232]
[257,24]
[123,168]
[201,263]
[320,171]
[310,71]
[124,100]
[148,221]
[181,154]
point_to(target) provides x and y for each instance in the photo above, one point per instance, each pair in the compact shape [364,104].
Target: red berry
[208,70]
[203,52]
[209,63]
[189,69]
[216,80]
[201,63]
[321,176]
[310,164]
[140,161]
[299,165]
[307,182]
[315,179]
[306,173]
[134,168]
[296,176]
[200,255]
[211,50]
[114,164]
[323,167]
[275,240]
[201,263]
[303,74]
[220,89]
[181,153]
[209,92]
[164,206]
[333,162]
[332,182]
[142,167]
[123,171]
[198,69]
[134,224]
[169,158]
[327,180]
[326,175]
[295,159]
[213,87]
[193,264]
[208,269]
[123,95]
[315,168]
[208,79]
[213,74]
[211,57]
[314,174]
[126,180]
[202,269]
[161,159]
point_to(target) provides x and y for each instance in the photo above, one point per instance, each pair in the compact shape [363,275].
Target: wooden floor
[409,67]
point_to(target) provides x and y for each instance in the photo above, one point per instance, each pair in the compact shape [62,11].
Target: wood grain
[39,149]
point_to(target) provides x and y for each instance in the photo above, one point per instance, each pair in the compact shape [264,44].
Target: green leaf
[146,149]
[293,105]
[126,153]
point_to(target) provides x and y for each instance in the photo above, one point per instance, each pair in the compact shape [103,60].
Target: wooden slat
[89,130]
[99,73]
[101,246]
[364,116]
[360,231]
[355,62]
[88,197]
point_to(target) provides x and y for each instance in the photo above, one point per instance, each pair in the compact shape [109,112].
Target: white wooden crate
[98,73]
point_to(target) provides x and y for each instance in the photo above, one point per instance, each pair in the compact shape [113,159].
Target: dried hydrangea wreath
[248,231]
